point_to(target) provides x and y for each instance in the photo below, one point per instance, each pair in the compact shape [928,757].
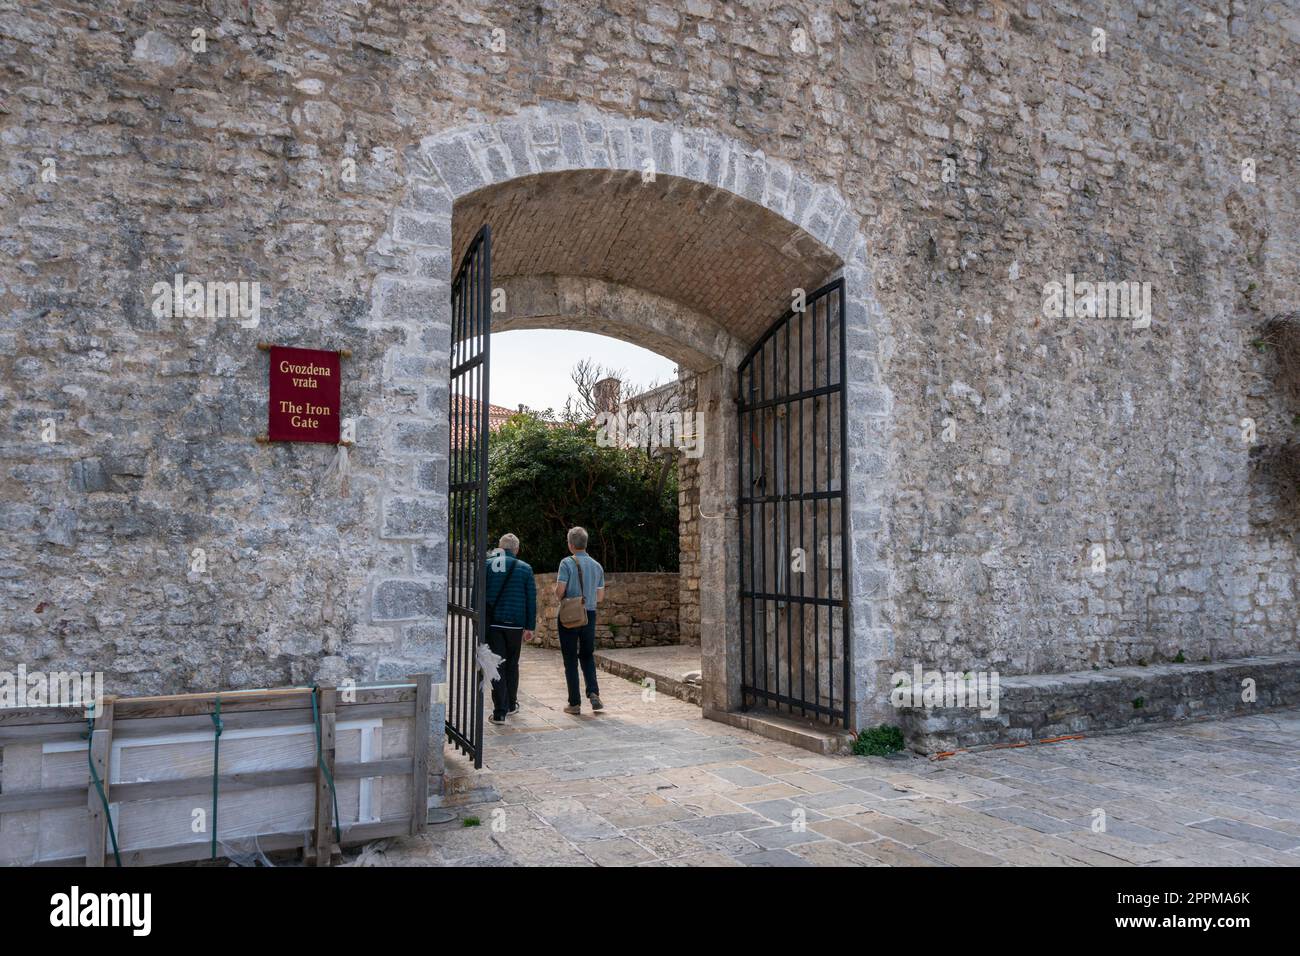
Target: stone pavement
[649,782]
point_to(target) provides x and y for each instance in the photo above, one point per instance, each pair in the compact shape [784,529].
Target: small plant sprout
[879,741]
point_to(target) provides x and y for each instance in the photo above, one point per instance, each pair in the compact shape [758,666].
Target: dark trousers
[578,646]
[506,643]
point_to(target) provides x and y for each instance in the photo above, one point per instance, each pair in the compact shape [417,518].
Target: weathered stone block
[414,517]
[402,600]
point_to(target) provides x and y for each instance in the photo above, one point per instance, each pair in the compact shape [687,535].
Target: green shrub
[879,741]
[544,478]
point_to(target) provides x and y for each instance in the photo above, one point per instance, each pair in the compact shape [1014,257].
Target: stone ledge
[797,733]
[1041,706]
[619,667]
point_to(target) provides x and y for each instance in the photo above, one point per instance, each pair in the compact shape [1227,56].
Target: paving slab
[772,837]
[1250,833]
[773,858]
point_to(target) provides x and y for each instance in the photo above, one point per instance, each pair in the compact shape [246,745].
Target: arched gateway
[693,245]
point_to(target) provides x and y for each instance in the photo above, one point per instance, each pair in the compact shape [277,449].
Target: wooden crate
[155,759]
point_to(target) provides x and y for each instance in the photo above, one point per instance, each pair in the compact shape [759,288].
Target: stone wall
[985,149]
[1022,444]
[639,610]
[1043,706]
[688,529]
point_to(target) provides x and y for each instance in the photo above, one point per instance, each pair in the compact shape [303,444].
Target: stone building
[1030,490]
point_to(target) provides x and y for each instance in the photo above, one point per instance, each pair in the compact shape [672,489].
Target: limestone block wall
[689,525]
[639,610]
[688,528]
[958,159]
[1044,706]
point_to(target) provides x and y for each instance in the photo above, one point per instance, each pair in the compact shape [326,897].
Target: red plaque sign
[304,403]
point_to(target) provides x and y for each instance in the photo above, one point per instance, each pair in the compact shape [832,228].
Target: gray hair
[578,539]
[509,542]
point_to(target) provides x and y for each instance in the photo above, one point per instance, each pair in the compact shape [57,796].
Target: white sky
[532,366]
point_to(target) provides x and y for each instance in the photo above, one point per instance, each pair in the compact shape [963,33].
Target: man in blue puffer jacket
[512,618]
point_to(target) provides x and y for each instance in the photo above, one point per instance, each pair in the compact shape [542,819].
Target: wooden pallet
[154,757]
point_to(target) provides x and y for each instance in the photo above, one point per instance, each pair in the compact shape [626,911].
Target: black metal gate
[471,313]
[794,527]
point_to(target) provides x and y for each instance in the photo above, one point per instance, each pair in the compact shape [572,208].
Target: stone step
[789,730]
[637,665]
[626,666]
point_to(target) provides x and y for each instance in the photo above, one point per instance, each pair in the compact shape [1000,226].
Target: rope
[99,785]
[217,727]
[320,762]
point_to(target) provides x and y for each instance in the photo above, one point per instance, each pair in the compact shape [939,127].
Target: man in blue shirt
[580,574]
[512,618]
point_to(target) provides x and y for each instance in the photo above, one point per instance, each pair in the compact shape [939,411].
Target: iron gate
[471,312]
[794,529]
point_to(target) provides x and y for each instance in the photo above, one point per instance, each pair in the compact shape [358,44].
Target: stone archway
[795,230]
[689,338]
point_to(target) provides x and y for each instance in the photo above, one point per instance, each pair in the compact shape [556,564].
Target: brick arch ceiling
[699,245]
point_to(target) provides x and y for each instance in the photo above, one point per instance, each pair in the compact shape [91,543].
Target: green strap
[320,762]
[99,785]
[217,727]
